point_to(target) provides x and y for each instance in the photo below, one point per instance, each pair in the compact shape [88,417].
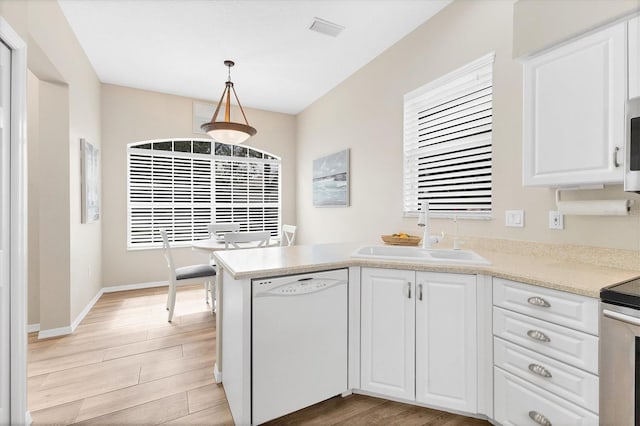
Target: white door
[388,332]
[5,211]
[574,100]
[446,361]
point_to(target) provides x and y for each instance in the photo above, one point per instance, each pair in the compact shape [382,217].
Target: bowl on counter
[409,240]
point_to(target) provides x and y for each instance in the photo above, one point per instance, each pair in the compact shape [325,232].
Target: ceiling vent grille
[325,27]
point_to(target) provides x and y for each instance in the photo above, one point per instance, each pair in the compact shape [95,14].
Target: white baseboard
[61,331]
[86,310]
[138,286]
[54,332]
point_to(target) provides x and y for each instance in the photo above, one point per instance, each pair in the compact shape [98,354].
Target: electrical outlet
[514,218]
[556,220]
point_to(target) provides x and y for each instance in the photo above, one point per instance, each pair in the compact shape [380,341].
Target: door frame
[18,224]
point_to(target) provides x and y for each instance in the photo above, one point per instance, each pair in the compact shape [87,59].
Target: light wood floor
[125,364]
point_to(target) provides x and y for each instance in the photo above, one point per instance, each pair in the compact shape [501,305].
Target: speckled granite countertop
[538,264]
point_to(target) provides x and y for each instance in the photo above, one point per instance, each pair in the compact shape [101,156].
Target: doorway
[13,211]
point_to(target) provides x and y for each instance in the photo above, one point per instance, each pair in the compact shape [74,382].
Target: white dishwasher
[299,342]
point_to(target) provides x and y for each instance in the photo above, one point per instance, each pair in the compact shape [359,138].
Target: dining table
[217,243]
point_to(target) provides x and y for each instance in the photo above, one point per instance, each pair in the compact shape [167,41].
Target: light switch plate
[514,218]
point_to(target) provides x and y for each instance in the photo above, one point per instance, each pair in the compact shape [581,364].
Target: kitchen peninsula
[570,275]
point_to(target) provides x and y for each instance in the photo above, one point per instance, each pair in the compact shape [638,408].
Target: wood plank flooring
[125,364]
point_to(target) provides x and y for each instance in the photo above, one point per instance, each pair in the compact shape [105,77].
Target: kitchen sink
[417,254]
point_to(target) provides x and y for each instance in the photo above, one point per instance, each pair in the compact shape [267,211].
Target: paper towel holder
[592,207]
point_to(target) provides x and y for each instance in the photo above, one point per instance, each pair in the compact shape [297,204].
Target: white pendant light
[227,131]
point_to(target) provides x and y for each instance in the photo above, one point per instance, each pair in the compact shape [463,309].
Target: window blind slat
[447,143]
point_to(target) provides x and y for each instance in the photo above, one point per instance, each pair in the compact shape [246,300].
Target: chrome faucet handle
[435,239]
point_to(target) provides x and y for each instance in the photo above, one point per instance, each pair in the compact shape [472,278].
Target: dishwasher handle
[621,317]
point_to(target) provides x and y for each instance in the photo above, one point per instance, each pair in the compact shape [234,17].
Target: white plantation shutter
[247,191]
[172,188]
[168,190]
[447,143]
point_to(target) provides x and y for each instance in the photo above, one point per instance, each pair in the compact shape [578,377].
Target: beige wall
[69,103]
[364,113]
[33,201]
[539,24]
[131,115]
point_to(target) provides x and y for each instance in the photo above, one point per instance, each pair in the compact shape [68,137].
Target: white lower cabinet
[446,347]
[545,356]
[418,337]
[388,332]
[520,403]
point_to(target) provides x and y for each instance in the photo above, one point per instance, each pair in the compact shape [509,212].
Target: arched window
[182,185]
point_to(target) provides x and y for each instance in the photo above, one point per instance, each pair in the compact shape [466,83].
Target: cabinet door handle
[538,301]
[539,370]
[420,292]
[409,290]
[615,157]
[539,418]
[538,335]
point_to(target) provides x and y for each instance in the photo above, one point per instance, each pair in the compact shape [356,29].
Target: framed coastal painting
[331,180]
[90,181]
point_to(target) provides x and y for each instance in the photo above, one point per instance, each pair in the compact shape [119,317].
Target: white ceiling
[178,46]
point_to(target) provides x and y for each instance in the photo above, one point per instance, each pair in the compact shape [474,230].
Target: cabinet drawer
[570,346]
[559,307]
[570,383]
[520,403]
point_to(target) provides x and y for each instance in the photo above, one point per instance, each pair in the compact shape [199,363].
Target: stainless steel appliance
[632,163]
[299,336]
[620,354]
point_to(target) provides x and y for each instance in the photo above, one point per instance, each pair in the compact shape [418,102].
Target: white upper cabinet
[634,58]
[574,106]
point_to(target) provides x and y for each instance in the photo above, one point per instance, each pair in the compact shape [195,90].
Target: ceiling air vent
[326,27]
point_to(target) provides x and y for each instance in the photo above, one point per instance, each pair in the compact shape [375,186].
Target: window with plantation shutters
[448,143]
[184,185]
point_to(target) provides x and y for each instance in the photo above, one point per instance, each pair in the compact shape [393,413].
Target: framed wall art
[90,181]
[331,180]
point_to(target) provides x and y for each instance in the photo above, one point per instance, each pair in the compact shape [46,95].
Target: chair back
[219,228]
[167,252]
[288,235]
[234,238]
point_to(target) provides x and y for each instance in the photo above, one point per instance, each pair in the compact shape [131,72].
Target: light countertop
[538,269]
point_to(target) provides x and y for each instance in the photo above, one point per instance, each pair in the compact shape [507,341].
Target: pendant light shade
[227,131]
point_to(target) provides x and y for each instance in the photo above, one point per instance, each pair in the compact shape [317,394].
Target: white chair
[220,228]
[186,275]
[234,239]
[288,235]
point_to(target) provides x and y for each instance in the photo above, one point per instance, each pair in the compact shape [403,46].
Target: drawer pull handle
[538,301]
[539,370]
[539,418]
[409,290]
[538,335]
